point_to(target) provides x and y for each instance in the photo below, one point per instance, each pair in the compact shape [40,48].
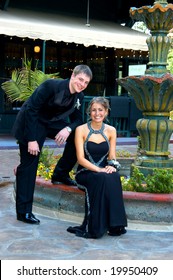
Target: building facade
[110,50]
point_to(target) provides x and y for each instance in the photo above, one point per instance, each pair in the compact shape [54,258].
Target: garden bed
[147,207]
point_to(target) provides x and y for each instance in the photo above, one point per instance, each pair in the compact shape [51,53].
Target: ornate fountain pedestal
[153,92]
[154,97]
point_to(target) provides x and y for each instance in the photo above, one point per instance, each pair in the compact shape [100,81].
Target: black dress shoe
[76,229]
[63,180]
[116,231]
[27,218]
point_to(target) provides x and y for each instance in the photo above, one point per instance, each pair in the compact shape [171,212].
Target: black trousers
[27,169]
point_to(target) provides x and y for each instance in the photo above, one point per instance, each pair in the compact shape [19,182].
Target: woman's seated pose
[97,174]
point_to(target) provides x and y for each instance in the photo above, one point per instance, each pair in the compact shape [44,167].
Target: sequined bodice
[96,152]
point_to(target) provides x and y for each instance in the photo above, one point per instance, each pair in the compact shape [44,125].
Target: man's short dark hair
[83,69]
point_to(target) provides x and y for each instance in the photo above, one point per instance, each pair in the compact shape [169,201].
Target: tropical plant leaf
[24,81]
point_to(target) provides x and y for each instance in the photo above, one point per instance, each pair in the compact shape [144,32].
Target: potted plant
[24,81]
[125,158]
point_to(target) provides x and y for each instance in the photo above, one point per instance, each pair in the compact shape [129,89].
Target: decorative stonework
[153,92]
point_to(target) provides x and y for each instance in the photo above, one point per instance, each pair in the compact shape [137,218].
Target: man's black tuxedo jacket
[44,106]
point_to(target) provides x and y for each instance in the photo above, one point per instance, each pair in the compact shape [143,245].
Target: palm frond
[23,82]
[12,90]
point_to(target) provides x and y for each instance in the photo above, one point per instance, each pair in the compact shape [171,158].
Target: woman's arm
[112,152]
[112,141]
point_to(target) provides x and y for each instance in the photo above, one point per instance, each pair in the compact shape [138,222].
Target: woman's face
[98,112]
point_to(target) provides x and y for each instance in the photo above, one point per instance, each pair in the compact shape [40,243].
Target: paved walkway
[50,240]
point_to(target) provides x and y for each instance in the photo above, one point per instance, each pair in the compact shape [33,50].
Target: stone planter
[144,207]
[125,165]
[59,198]
[149,207]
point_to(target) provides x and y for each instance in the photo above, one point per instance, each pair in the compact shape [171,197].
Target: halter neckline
[98,131]
[91,131]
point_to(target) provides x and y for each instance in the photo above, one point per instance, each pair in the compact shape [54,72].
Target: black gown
[104,206]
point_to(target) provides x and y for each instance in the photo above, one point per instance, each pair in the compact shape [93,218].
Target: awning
[37,25]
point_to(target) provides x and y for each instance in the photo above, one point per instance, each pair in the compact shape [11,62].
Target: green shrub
[160,181]
[135,182]
[124,153]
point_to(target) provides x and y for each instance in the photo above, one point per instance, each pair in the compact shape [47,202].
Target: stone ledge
[145,207]
[59,197]
[126,194]
[148,196]
[62,187]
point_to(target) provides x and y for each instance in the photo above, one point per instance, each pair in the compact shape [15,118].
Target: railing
[123,114]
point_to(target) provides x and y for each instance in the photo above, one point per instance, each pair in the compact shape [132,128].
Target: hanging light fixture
[88,14]
[36,49]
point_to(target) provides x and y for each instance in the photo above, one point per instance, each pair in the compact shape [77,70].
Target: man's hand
[33,148]
[62,136]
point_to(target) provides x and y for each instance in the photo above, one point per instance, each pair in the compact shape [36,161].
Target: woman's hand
[108,169]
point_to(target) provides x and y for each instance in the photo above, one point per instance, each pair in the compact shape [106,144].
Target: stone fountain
[153,92]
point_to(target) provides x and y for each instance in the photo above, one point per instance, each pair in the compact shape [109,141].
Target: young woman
[98,176]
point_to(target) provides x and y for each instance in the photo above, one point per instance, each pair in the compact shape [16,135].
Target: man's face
[79,82]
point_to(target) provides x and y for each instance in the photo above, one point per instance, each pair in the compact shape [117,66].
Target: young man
[53,111]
